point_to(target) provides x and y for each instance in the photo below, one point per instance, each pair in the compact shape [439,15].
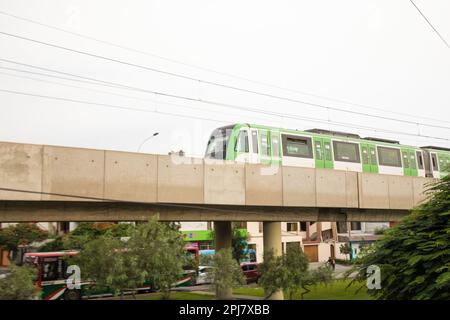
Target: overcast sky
[379,53]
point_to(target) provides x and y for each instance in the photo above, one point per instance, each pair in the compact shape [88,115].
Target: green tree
[296,264]
[345,249]
[110,265]
[19,284]
[414,256]
[87,231]
[274,274]
[160,254]
[227,272]
[290,273]
[21,234]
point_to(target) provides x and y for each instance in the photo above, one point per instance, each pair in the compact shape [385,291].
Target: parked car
[251,271]
[204,275]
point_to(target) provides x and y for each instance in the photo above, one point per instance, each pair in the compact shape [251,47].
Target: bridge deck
[36,176]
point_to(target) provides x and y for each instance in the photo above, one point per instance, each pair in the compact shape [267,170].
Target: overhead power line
[430,24]
[120,107]
[157,102]
[219,84]
[280,115]
[153,55]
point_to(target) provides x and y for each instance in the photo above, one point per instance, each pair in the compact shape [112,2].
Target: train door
[434,164]
[242,147]
[254,148]
[421,171]
[409,162]
[369,158]
[275,147]
[264,146]
[323,153]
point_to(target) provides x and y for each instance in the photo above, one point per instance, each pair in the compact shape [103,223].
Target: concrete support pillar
[272,242]
[223,240]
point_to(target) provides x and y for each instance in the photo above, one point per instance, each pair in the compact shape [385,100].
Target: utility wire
[120,107]
[430,24]
[109,43]
[104,92]
[138,98]
[282,116]
[219,84]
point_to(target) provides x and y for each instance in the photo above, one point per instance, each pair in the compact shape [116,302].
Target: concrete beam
[31,211]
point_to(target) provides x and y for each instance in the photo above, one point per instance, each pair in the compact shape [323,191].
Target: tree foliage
[19,284]
[274,275]
[153,254]
[106,261]
[21,234]
[159,250]
[227,272]
[414,256]
[290,273]
[345,249]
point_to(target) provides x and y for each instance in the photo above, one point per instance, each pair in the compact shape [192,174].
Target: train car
[317,148]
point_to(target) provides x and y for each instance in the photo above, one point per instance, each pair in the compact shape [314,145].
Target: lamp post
[143,142]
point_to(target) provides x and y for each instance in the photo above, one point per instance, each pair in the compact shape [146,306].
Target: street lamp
[143,142]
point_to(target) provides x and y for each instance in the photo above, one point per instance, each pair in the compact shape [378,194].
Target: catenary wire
[173,74]
[211,70]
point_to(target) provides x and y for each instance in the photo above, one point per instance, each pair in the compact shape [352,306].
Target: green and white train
[318,148]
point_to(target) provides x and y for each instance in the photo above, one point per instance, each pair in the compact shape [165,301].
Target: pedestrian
[332,263]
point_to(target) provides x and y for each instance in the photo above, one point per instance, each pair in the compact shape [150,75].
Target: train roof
[334,133]
[382,140]
[436,148]
[330,133]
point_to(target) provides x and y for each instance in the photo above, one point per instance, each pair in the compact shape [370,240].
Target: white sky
[378,53]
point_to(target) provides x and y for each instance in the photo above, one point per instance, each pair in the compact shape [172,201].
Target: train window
[373,156]
[434,160]
[264,143]
[295,146]
[255,141]
[318,150]
[275,145]
[419,159]
[405,159]
[412,161]
[218,142]
[242,141]
[365,155]
[389,157]
[327,146]
[346,151]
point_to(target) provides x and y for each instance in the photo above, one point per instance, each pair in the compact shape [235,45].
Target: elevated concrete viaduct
[50,183]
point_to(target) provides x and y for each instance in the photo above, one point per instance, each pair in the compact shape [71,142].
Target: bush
[19,284]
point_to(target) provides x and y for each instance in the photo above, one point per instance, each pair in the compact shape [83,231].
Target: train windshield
[218,142]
